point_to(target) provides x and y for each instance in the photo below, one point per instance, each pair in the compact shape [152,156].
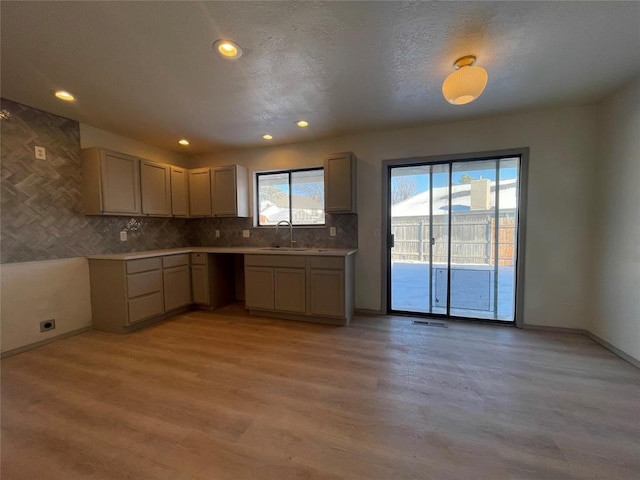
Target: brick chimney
[480,194]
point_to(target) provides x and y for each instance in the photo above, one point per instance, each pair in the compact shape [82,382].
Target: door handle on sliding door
[391,241]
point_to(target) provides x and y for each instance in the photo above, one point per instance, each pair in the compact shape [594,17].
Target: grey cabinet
[289,289]
[200,192]
[155,188]
[111,183]
[259,287]
[340,180]
[177,281]
[312,288]
[200,278]
[326,292]
[124,293]
[179,192]
[274,282]
[127,292]
[230,190]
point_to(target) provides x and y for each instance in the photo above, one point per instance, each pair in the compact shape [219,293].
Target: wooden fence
[472,239]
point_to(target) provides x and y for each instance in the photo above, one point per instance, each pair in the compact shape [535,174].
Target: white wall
[562,147]
[35,291]
[94,137]
[616,273]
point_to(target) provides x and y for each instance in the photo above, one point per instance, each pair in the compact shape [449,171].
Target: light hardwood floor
[226,396]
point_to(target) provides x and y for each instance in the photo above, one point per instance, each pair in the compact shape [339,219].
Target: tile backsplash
[41,201]
[202,233]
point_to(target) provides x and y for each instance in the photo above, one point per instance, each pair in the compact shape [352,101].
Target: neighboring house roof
[298,201]
[418,205]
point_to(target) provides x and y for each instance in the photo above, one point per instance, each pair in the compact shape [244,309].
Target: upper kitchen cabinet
[179,192]
[111,183]
[340,183]
[200,192]
[230,191]
[155,187]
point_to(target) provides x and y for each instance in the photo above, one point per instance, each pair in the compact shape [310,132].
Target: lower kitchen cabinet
[311,288]
[289,289]
[177,281]
[259,287]
[127,292]
[326,292]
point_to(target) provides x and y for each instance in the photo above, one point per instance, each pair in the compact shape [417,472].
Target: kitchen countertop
[326,252]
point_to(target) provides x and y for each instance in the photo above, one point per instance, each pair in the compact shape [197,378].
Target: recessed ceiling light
[228,49]
[302,123]
[183,142]
[266,136]
[66,96]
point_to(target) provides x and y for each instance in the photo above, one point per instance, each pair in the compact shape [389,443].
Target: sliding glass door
[453,238]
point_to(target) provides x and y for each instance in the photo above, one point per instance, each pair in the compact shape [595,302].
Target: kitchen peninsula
[132,290]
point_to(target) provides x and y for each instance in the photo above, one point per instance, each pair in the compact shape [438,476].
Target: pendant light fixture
[466,83]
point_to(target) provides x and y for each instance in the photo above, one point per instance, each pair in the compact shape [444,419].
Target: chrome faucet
[286,222]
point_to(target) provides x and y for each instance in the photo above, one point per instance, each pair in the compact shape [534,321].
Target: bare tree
[403,188]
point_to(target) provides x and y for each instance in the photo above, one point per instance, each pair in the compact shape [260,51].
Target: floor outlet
[47,325]
[217,233]
[123,236]
[332,231]
[245,233]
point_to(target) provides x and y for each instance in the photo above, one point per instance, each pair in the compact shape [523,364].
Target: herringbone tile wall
[41,203]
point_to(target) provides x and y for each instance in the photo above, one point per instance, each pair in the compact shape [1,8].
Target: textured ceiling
[147,69]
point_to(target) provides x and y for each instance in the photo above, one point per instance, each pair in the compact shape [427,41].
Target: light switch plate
[245,233]
[123,236]
[332,231]
[41,153]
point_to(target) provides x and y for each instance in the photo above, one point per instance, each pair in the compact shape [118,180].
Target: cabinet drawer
[145,307]
[198,259]
[143,283]
[143,265]
[175,260]
[332,263]
[293,261]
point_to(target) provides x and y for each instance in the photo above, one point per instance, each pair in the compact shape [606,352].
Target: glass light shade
[464,85]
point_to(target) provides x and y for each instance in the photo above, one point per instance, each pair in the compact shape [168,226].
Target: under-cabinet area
[132,290]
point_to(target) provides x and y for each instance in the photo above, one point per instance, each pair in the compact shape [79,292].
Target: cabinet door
[179,192]
[200,192]
[155,188]
[259,287]
[200,284]
[290,289]
[177,287]
[340,183]
[120,176]
[326,292]
[224,191]
[144,307]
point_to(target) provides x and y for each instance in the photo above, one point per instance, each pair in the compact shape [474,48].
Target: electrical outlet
[41,153]
[332,231]
[47,325]
[245,233]
[217,233]
[123,236]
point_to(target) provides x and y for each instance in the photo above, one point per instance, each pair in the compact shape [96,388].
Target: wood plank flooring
[226,396]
